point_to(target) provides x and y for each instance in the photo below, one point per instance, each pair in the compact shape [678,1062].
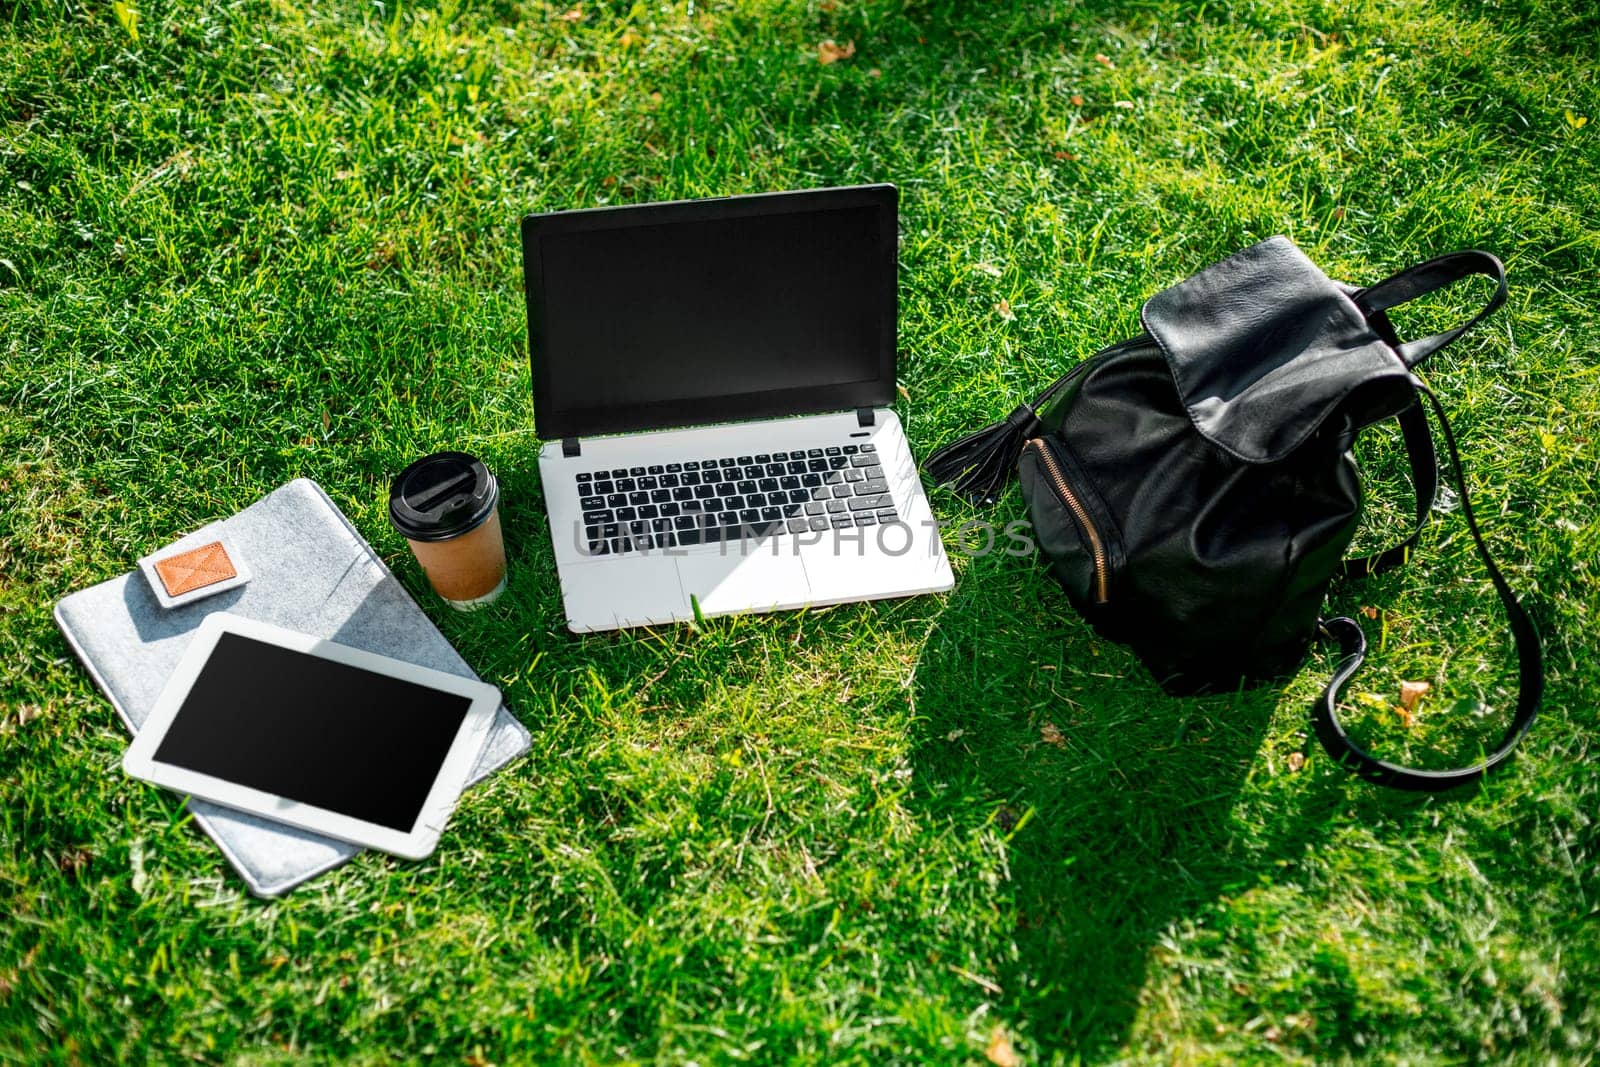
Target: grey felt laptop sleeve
[312,572]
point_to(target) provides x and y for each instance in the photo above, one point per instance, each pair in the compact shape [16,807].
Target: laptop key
[603,515]
[870,488]
[840,521]
[636,471]
[850,450]
[660,496]
[833,478]
[870,503]
[866,518]
[869,448]
[814,453]
[655,468]
[819,522]
[649,511]
[797,466]
[831,450]
[591,503]
[603,486]
[692,465]
[798,525]
[813,507]
[837,505]
[747,487]
[771,514]
[616,500]
[818,464]
[674,468]
[853,475]
[726,489]
[704,491]
[799,496]
[725,463]
[755,500]
[671,481]
[683,492]
[626,514]
[887,516]
[844,490]
[584,476]
[768,485]
[670,510]
[838,462]
[745,461]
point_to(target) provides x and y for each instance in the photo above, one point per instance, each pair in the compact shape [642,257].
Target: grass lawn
[247,240]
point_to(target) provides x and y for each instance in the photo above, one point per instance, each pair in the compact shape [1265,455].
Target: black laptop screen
[709,311]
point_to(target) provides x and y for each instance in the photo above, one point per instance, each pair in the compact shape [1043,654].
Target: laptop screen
[706,311]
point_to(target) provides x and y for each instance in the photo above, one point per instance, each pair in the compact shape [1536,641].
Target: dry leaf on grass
[575,15]
[1051,734]
[1411,692]
[1369,611]
[1297,760]
[1077,101]
[1004,308]
[999,1049]
[1104,60]
[830,51]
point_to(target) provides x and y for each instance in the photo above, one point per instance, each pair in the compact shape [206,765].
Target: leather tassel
[976,467]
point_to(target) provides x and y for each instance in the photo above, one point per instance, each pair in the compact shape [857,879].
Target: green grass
[268,239]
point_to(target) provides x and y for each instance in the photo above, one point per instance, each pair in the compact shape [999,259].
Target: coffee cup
[446,506]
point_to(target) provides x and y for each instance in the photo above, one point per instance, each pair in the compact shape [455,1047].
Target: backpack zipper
[1097,548]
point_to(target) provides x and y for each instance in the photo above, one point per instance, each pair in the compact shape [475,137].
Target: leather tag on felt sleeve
[195,569]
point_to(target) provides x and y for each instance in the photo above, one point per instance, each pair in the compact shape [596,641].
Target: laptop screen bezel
[557,417]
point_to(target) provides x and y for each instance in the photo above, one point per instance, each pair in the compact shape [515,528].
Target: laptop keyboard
[708,501]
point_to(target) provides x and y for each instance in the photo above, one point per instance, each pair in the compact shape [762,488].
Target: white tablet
[297,729]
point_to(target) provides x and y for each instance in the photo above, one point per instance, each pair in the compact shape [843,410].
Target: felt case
[311,572]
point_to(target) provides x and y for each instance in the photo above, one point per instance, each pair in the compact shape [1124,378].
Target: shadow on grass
[1118,802]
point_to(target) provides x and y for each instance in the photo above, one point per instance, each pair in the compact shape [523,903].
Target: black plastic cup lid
[442,496]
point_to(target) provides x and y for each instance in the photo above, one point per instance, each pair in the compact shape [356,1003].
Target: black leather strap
[1353,646]
[1428,277]
[1424,484]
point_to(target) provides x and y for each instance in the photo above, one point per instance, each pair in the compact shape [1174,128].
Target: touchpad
[755,580]
[614,592]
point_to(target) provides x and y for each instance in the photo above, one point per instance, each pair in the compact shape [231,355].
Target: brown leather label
[195,569]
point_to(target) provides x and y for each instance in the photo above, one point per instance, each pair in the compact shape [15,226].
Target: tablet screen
[343,738]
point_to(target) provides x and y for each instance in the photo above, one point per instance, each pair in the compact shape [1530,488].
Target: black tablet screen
[308,729]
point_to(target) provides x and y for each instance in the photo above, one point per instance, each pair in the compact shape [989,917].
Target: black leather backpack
[1194,488]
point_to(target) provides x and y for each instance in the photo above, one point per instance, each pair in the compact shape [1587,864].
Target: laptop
[711,384]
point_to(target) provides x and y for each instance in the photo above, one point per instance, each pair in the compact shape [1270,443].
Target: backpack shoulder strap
[1375,302]
[1353,645]
[1424,484]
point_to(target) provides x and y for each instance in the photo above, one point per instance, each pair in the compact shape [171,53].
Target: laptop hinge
[864,416]
[570,447]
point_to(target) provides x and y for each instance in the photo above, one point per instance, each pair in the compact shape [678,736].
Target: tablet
[298,729]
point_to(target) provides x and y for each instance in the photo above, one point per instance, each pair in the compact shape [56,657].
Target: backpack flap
[1264,348]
